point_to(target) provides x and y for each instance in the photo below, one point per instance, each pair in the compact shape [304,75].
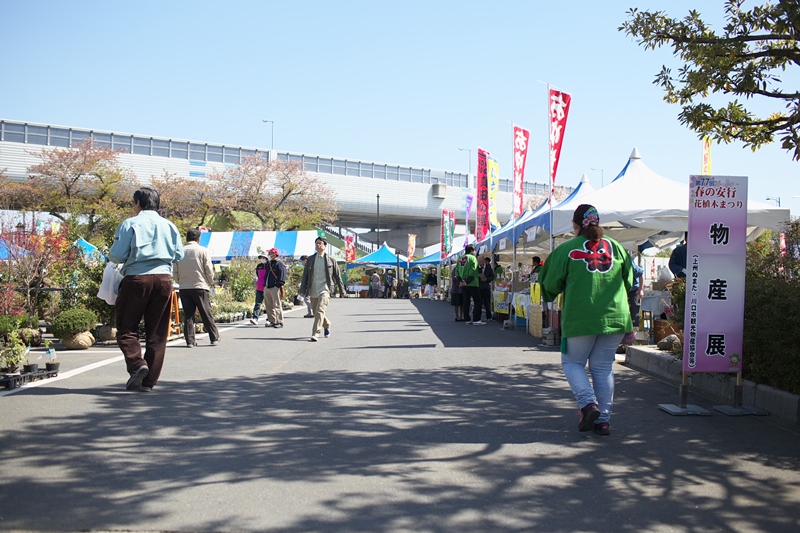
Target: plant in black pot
[73,327]
[52,364]
[12,352]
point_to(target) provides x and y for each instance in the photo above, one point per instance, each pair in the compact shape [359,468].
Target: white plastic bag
[109,287]
[665,274]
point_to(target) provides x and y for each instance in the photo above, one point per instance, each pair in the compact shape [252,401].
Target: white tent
[639,204]
[225,245]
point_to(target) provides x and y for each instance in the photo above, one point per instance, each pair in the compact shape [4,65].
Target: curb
[781,404]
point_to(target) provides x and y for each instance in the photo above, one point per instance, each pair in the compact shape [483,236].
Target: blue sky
[403,82]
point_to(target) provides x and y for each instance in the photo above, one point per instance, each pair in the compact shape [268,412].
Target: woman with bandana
[595,274]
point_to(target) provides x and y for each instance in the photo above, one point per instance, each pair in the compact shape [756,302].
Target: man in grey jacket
[195,276]
[319,277]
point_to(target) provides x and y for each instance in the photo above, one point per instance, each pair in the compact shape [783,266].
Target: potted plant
[12,353]
[73,327]
[52,364]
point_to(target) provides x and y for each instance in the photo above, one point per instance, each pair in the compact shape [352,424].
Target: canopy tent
[640,204]
[433,259]
[382,257]
[225,245]
[89,250]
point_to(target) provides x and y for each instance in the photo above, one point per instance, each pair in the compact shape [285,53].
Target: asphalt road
[403,420]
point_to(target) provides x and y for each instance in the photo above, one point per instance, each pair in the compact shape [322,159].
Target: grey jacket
[332,274]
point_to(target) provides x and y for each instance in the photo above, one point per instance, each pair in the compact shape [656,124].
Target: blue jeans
[599,351]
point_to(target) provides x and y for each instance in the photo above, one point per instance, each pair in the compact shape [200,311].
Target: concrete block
[781,404]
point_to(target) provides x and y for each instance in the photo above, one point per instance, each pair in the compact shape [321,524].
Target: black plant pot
[30,368]
[52,367]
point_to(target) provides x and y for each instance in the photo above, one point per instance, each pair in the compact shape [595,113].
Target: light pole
[776,199]
[272,132]
[602,176]
[378,232]
[469,176]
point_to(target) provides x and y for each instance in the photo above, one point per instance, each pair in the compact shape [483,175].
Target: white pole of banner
[511,316]
[550,180]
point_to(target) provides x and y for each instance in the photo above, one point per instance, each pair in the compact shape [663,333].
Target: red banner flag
[559,109]
[482,206]
[521,138]
[349,248]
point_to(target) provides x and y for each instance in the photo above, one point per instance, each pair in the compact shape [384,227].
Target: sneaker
[602,428]
[145,388]
[135,381]
[269,324]
[327,333]
[479,323]
[308,316]
[468,322]
[254,321]
[215,343]
[588,414]
[314,338]
[191,345]
[277,325]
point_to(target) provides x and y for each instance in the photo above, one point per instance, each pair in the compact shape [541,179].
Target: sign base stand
[730,410]
[677,410]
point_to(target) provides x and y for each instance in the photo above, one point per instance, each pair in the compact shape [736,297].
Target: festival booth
[383,257]
[225,245]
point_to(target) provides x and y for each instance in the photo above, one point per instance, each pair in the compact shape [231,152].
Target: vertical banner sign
[521,138]
[349,249]
[452,231]
[706,156]
[482,224]
[494,190]
[412,244]
[559,109]
[468,201]
[446,242]
[715,264]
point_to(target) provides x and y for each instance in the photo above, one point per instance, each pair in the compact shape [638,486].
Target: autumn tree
[84,186]
[279,194]
[187,202]
[745,60]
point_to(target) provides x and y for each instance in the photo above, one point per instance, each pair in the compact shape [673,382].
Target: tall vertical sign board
[715,268]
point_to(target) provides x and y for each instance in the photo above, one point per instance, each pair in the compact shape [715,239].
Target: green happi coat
[595,279]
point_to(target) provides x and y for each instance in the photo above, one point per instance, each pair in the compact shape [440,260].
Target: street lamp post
[378,232]
[272,132]
[776,199]
[602,176]
[469,176]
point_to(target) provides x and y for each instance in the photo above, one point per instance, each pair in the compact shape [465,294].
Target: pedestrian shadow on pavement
[495,444]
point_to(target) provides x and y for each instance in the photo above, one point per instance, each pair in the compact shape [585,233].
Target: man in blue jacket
[147,245]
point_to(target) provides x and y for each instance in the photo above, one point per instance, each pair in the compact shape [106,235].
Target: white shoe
[468,322]
[254,321]
[479,323]
[314,338]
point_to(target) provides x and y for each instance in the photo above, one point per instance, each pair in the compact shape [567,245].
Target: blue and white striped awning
[225,245]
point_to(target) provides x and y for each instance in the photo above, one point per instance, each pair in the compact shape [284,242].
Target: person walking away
[273,290]
[431,281]
[261,279]
[147,245]
[456,296]
[595,274]
[306,299]
[388,284]
[376,285]
[320,278]
[485,279]
[470,285]
[195,277]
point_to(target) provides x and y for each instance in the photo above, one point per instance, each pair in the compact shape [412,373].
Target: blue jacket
[146,244]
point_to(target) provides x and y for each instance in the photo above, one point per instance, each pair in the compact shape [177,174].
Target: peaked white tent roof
[640,203]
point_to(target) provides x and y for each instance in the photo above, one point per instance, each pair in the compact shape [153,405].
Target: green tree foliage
[745,60]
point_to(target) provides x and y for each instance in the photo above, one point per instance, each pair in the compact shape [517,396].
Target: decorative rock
[79,341]
[668,342]
[107,333]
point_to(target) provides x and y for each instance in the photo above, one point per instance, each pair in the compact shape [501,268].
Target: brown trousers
[149,297]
